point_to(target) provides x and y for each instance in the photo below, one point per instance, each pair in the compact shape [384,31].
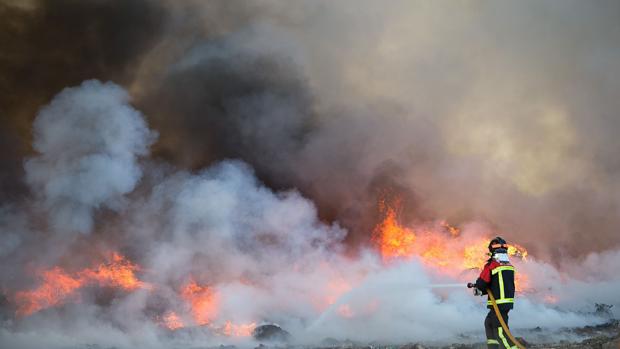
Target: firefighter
[498,275]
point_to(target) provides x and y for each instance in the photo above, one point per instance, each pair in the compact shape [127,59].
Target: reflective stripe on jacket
[500,279]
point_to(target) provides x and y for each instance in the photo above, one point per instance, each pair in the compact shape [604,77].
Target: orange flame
[443,248]
[119,273]
[454,231]
[394,240]
[435,248]
[57,285]
[241,330]
[172,321]
[519,251]
[203,301]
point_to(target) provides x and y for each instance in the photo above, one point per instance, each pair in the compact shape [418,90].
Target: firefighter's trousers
[496,337]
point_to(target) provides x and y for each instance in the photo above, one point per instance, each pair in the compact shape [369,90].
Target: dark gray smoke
[241,95]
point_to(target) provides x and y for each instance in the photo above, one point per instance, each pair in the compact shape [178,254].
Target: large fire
[441,247]
[202,300]
[238,330]
[58,285]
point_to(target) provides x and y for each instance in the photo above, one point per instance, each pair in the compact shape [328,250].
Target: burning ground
[181,173]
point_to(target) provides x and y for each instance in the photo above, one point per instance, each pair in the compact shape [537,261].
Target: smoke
[265,253]
[411,310]
[233,225]
[48,45]
[280,127]
[88,139]
[493,112]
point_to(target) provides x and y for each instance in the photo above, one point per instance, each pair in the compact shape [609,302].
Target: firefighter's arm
[484,280]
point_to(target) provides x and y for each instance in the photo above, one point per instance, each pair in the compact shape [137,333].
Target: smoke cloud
[463,108]
[280,128]
[48,45]
[483,122]
[88,139]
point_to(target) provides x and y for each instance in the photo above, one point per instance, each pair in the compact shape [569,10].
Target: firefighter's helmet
[498,245]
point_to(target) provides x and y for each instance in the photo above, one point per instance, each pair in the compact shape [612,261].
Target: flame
[394,240]
[434,248]
[172,321]
[516,250]
[203,301]
[242,330]
[58,286]
[119,273]
[474,254]
[454,231]
[441,247]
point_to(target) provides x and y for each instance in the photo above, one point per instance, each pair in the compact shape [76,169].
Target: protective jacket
[499,277]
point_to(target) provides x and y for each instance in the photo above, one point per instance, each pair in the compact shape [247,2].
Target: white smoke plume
[88,140]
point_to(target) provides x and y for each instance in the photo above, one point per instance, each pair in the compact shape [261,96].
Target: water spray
[446,286]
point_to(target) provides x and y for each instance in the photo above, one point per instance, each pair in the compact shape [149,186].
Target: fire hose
[495,308]
[499,316]
[501,320]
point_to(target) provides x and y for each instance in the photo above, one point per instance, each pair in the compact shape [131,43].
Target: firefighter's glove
[477,292]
